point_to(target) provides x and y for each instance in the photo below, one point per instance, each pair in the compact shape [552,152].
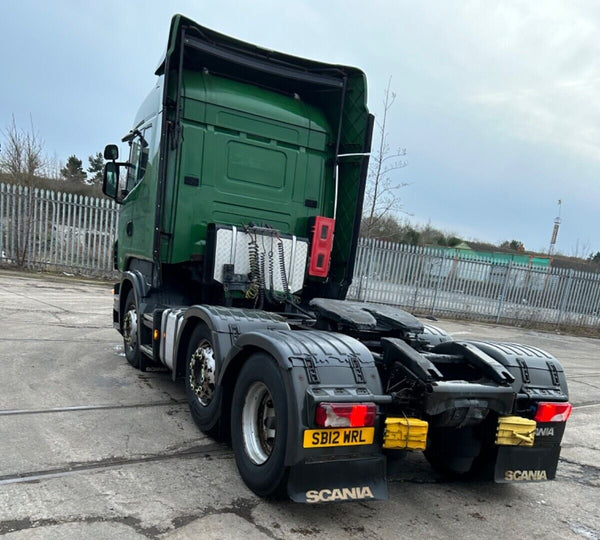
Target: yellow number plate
[320,438]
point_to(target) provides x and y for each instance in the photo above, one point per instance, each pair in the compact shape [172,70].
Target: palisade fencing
[433,281]
[51,230]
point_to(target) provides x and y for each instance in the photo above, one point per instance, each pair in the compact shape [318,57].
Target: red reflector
[345,414]
[320,246]
[553,412]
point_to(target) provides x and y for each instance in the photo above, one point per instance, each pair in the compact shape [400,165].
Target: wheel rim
[130,328]
[258,423]
[202,372]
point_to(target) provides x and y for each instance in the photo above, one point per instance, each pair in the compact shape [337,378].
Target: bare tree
[581,249]
[381,196]
[22,161]
[53,167]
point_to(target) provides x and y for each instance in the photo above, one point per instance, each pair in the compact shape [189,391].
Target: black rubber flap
[348,313]
[518,464]
[336,481]
[365,316]
[395,317]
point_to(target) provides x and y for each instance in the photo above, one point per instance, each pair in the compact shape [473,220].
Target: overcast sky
[498,103]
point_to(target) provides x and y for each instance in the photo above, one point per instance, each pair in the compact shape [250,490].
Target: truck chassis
[288,389]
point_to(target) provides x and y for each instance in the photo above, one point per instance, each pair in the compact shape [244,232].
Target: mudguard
[140,290]
[538,377]
[322,366]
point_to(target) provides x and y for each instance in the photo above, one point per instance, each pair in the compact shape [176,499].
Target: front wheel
[259,426]
[130,328]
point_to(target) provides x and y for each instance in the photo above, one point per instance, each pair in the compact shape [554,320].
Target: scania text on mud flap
[240,208]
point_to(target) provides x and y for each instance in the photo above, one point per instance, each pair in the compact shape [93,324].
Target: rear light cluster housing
[553,411]
[345,414]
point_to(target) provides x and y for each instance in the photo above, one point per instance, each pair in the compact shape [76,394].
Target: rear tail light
[321,246]
[553,412]
[345,414]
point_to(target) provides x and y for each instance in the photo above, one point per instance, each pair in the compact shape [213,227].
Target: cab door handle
[129,228]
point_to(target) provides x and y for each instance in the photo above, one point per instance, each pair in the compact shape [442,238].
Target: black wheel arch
[237,334]
[132,280]
[230,360]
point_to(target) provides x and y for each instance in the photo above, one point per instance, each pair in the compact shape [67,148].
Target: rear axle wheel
[259,426]
[201,370]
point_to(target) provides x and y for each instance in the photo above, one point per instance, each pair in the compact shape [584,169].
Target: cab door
[132,230]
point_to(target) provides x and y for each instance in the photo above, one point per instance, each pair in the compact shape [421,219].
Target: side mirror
[111,152]
[110,180]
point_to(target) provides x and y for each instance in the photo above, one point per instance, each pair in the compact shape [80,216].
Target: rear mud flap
[515,464]
[333,481]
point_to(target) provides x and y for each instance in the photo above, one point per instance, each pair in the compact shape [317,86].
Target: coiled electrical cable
[284,279]
[261,280]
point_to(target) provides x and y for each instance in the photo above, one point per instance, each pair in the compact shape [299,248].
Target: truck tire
[259,426]
[203,397]
[131,340]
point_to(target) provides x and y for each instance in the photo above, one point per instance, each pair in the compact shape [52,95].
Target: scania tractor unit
[240,210]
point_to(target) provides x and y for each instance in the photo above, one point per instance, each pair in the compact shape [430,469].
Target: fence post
[503,293]
[369,268]
[437,285]
[418,274]
[565,297]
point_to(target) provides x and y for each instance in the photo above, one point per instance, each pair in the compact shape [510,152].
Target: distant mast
[555,229]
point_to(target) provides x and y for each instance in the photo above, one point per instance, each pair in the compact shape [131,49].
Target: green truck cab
[240,207]
[234,135]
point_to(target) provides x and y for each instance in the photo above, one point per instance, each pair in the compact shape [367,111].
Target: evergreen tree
[73,170]
[96,167]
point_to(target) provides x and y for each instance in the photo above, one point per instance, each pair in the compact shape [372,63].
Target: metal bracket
[234,332]
[359,376]
[553,373]
[524,370]
[311,370]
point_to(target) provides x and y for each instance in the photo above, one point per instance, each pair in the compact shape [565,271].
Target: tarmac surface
[91,448]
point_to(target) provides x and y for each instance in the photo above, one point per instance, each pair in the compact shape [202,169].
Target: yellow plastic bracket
[405,433]
[515,431]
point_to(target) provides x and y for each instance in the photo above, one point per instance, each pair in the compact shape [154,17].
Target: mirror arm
[132,135]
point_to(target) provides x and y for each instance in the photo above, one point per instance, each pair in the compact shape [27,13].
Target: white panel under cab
[233,245]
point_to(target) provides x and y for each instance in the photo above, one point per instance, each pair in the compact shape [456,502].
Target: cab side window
[132,170]
[138,157]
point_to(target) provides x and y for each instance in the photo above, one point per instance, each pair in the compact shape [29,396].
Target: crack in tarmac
[28,523]
[587,475]
[242,507]
[79,408]
[207,451]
